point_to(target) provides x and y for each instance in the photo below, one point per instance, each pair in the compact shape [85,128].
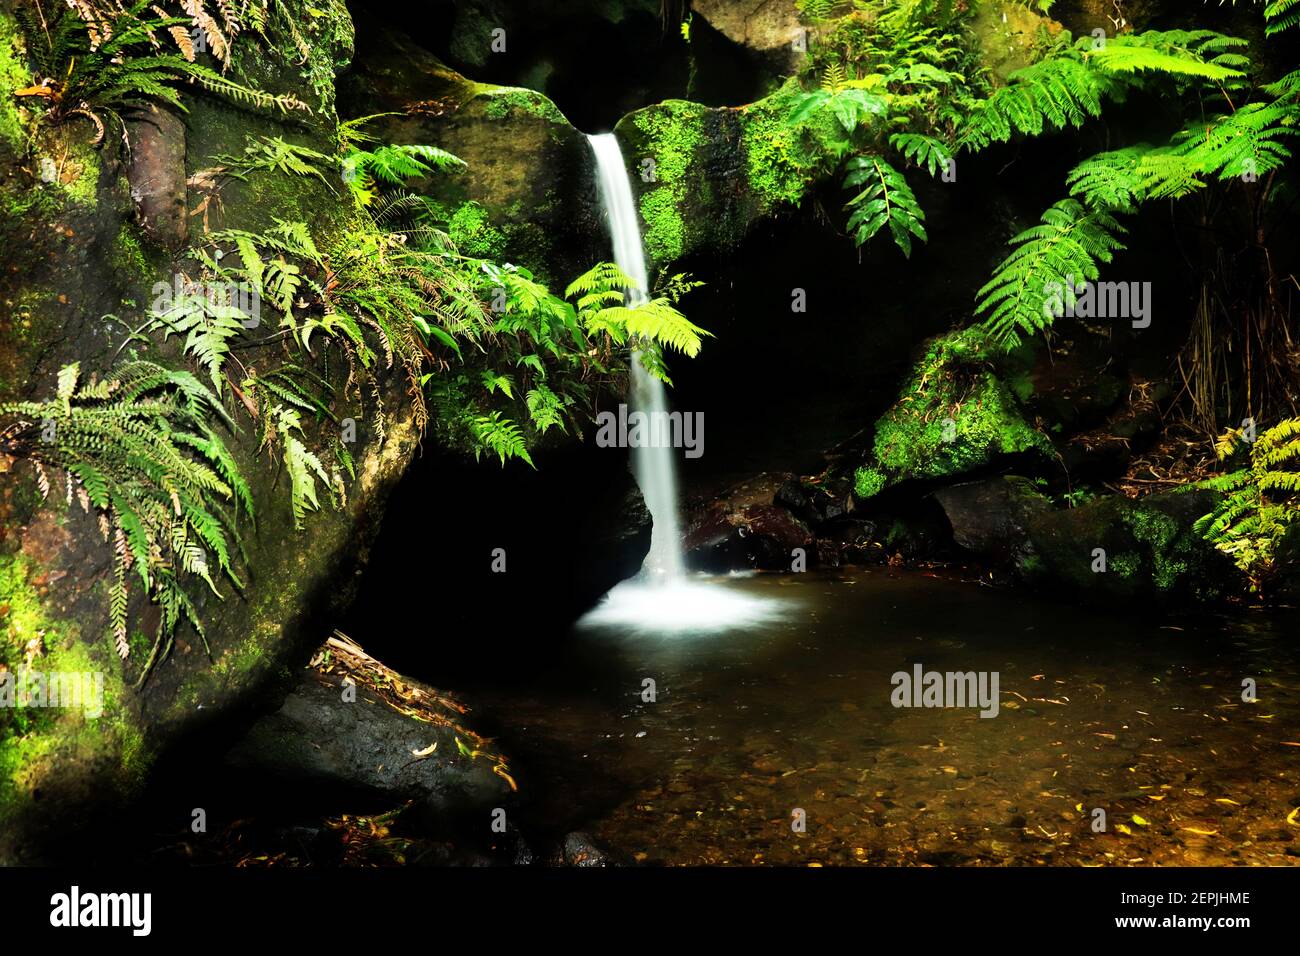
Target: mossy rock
[77,255]
[705,175]
[528,170]
[959,412]
[1126,550]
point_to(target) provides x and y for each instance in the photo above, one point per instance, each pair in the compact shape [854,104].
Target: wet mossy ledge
[706,175]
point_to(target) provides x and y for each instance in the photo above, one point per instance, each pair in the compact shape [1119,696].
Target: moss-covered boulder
[1126,550]
[79,283]
[960,411]
[705,175]
[528,191]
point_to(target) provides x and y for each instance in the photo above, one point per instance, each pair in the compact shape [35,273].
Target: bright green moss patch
[782,161]
[14,75]
[40,740]
[671,133]
[955,414]
[868,481]
[505,101]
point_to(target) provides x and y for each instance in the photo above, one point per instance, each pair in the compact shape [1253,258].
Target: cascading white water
[662,601]
[654,468]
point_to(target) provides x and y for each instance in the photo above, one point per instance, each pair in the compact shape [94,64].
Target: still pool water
[1141,718]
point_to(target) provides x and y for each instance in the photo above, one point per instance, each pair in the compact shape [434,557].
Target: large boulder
[706,175]
[384,741]
[77,258]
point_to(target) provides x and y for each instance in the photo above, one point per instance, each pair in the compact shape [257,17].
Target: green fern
[94,63]
[1258,503]
[922,150]
[301,464]
[393,165]
[1064,249]
[885,200]
[1123,178]
[1281,15]
[1248,140]
[501,437]
[138,452]
[208,326]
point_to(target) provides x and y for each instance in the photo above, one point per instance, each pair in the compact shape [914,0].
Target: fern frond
[1063,250]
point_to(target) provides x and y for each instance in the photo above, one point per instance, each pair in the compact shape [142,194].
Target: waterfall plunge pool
[1139,716]
[690,605]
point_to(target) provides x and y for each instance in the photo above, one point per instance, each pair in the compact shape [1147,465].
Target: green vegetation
[673,132]
[503,101]
[136,451]
[1260,500]
[93,62]
[954,414]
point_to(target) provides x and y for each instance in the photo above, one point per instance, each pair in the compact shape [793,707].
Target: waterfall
[653,466]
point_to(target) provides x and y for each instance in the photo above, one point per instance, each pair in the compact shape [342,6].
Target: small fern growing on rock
[137,450]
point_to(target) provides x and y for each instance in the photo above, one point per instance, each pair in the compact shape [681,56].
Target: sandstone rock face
[768,29]
[1007,33]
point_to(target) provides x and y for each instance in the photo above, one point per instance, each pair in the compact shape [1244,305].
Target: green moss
[671,133]
[14,75]
[1171,556]
[868,481]
[1126,564]
[954,414]
[782,161]
[131,257]
[665,230]
[35,741]
[505,101]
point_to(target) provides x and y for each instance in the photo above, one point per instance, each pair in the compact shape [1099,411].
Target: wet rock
[582,849]
[959,412]
[1285,584]
[714,172]
[528,180]
[748,527]
[1007,35]
[767,30]
[1085,16]
[156,172]
[319,742]
[991,518]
